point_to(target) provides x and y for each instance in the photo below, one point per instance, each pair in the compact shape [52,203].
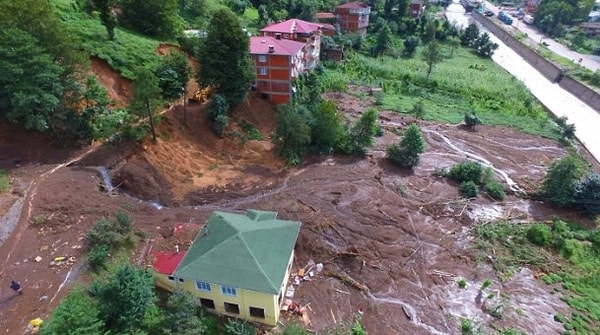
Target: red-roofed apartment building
[284,50]
[353,17]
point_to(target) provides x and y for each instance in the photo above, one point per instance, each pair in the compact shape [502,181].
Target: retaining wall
[548,69]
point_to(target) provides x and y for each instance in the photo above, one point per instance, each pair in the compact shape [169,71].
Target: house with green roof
[238,265]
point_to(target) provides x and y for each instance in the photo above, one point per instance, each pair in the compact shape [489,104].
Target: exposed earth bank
[403,235]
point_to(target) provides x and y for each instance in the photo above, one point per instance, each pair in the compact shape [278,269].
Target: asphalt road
[591,62]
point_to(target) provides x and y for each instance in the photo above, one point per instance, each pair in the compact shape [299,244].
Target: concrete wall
[548,69]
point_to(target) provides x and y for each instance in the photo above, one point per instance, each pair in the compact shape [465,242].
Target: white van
[528,19]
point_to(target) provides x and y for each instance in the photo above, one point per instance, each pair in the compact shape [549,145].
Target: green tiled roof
[248,251]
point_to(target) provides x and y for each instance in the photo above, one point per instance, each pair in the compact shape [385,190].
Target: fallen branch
[406,313]
[347,280]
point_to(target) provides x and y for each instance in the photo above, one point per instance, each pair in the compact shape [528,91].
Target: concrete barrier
[548,69]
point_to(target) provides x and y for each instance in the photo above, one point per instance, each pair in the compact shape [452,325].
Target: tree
[384,41]
[225,62]
[181,316]
[453,43]
[327,129]
[587,195]
[410,45]
[560,181]
[125,299]
[432,55]
[485,47]
[469,36]
[217,114]
[77,314]
[361,135]
[145,95]
[292,134]
[406,153]
[107,16]
[152,17]
[31,87]
[173,75]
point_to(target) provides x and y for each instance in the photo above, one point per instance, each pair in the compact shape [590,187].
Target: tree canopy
[224,58]
[152,17]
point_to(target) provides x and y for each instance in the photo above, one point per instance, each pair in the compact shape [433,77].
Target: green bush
[495,190]
[4,182]
[462,283]
[97,257]
[472,120]
[468,189]
[466,171]
[539,234]
[586,195]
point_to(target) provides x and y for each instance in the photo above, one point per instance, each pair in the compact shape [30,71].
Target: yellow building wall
[244,298]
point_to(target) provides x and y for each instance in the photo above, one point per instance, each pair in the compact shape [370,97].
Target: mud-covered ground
[402,235]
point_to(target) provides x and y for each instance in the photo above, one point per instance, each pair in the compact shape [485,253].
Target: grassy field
[459,84]
[127,51]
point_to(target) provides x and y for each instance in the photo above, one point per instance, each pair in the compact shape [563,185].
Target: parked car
[488,13]
[528,19]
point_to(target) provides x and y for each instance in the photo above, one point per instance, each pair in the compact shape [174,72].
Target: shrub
[462,283]
[406,153]
[4,182]
[465,326]
[97,257]
[466,171]
[539,234]
[586,195]
[559,184]
[217,113]
[495,190]
[472,120]
[486,283]
[468,189]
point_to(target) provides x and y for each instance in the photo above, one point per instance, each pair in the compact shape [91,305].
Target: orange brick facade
[353,17]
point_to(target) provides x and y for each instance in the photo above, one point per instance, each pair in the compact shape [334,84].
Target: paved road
[557,100]
[592,62]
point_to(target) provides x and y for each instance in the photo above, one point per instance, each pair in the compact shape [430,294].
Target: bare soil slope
[401,236]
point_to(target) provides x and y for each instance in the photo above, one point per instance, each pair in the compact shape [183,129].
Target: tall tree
[224,58]
[433,55]
[125,299]
[146,91]
[327,129]
[292,135]
[173,74]
[30,85]
[152,17]
[384,41]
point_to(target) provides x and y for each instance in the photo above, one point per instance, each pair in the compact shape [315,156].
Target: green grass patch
[570,260]
[4,182]
[126,52]
[459,84]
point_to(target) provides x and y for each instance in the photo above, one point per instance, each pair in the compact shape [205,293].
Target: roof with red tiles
[259,45]
[167,262]
[292,26]
[355,4]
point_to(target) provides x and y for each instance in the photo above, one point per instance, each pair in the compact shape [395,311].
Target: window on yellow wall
[231,308]
[202,286]
[207,303]
[257,312]
[171,278]
[228,290]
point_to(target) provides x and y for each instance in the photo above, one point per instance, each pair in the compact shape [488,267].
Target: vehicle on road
[488,13]
[528,19]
